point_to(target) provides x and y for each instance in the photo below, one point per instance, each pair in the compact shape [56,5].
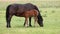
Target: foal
[30,13]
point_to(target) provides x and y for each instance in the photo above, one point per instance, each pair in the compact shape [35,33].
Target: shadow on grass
[26,27]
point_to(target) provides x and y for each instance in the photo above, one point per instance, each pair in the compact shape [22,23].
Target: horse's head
[40,20]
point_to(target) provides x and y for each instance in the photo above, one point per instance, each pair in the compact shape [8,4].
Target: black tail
[7,13]
[40,19]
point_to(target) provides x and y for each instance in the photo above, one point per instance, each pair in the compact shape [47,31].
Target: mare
[20,10]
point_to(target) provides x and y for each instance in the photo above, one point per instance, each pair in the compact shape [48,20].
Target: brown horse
[23,10]
[27,14]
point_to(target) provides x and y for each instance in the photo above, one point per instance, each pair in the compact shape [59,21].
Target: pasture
[51,17]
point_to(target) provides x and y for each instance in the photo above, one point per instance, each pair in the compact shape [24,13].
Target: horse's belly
[20,15]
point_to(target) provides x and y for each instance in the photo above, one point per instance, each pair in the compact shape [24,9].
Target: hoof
[30,25]
[26,25]
[8,26]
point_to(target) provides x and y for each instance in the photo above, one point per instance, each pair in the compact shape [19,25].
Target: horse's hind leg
[8,21]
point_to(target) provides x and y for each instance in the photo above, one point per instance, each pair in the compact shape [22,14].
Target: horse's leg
[30,22]
[35,21]
[26,22]
[8,21]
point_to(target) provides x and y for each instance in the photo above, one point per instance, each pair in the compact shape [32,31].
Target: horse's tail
[7,12]
[40,19]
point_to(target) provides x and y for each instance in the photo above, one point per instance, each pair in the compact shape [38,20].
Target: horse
[27,14]
[19,9]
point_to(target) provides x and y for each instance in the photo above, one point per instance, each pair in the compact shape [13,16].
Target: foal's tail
[7,12]
[40,19]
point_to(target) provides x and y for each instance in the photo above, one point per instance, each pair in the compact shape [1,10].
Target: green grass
[51,23]
[40,4]
[51,19]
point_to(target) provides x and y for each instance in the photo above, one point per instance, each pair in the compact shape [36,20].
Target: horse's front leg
[35,21]
[26,22]
[30,21]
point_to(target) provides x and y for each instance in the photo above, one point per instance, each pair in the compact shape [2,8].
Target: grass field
[51,17]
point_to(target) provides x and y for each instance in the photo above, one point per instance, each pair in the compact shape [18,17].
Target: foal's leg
[35,21]
[29,22]
[26,22]
[8,21]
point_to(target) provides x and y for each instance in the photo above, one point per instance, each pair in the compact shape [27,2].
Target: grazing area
[51,19]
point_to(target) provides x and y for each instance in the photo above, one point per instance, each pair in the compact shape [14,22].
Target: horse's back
[19,9]
[22,7]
